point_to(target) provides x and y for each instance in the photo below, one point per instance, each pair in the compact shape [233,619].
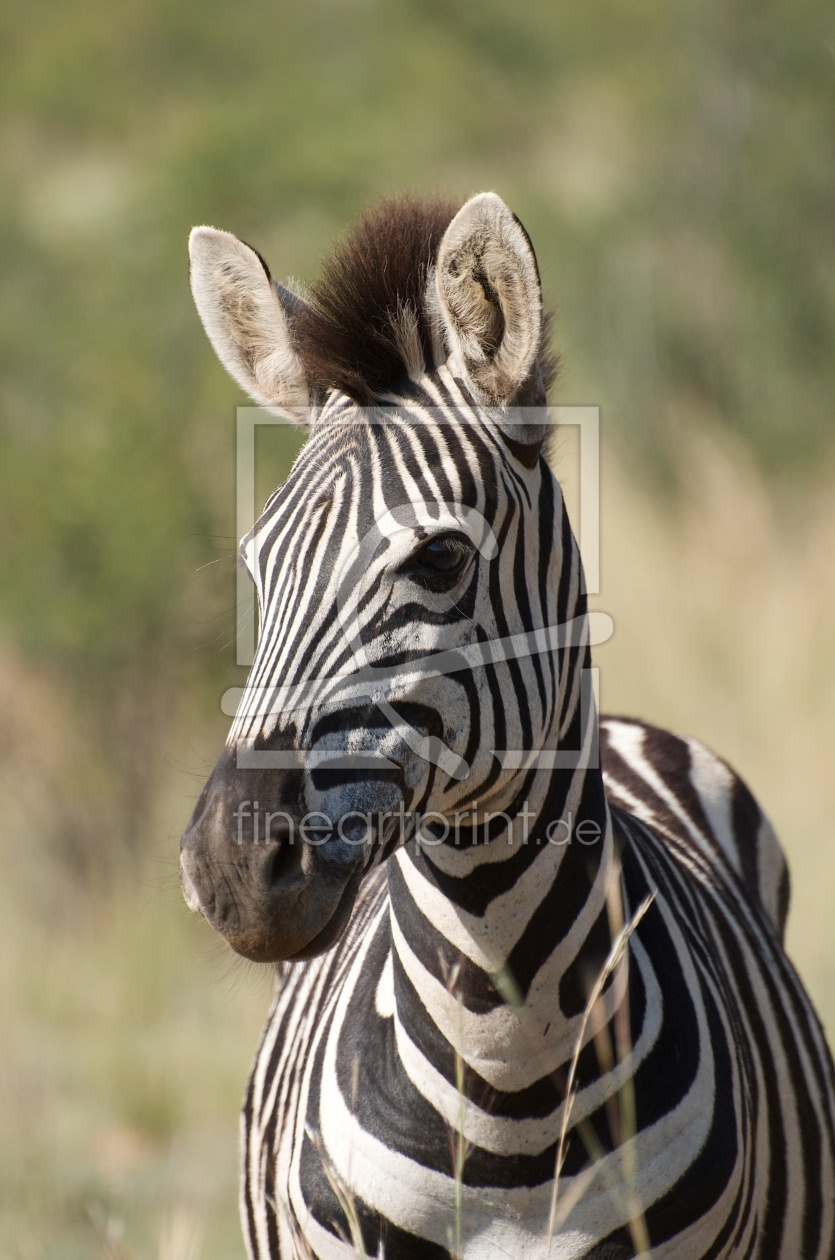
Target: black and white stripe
[410,1094]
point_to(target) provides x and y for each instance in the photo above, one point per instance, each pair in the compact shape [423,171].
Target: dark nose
[274,886]
[241,856]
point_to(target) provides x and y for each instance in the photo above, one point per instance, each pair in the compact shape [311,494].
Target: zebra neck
[495,946]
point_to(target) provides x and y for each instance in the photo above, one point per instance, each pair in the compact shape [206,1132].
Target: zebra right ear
[489,299]
[248,319]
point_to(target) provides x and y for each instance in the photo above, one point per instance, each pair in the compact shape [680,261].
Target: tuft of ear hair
[248,319]
[489,299]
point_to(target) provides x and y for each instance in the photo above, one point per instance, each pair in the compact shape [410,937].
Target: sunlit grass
[623,1128]
[724,611]
[126,1039]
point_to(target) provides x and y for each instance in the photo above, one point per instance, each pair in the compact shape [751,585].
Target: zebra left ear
[248,318]
[490,299]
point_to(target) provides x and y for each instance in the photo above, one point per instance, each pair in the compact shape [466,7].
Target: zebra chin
[245,867]
[266,943]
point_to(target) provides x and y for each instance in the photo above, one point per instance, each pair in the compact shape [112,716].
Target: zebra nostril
[280,830]
[281,864]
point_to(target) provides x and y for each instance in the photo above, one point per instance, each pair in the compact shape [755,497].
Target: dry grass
[725,629]
[127,1031]
[622,1116]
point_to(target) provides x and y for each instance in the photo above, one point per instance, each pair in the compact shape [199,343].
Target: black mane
[346,334]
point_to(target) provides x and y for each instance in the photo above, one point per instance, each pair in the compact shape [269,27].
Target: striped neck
[499,932]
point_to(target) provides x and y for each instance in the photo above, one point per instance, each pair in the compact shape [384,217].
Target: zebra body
[539,1006]
[292,1130]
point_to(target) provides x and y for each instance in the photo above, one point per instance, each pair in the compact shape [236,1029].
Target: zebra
[532,994]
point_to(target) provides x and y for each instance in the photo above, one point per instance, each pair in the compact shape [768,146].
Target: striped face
[380,567]
[406,575]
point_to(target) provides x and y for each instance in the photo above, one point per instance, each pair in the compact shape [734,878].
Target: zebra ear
[490,299]
[248,319]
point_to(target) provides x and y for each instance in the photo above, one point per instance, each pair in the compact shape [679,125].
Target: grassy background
[675,165]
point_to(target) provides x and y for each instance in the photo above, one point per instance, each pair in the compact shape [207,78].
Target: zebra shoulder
[683,789]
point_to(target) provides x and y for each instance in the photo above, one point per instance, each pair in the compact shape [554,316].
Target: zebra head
[409,571]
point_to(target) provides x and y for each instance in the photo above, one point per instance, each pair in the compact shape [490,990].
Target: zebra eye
[447,555]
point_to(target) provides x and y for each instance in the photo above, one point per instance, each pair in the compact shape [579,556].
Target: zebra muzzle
[272,889]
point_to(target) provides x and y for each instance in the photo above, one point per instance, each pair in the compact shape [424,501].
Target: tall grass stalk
[460,1147]
[345,1198]
[614,959]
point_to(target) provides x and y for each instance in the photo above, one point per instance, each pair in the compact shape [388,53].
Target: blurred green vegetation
[675,166]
